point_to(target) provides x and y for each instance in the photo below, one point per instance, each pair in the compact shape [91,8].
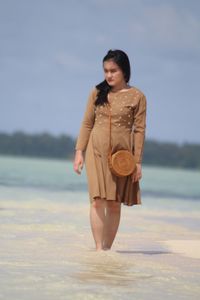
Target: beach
[47,252]
[47,249]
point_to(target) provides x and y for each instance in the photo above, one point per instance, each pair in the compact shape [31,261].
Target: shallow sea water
[47,249]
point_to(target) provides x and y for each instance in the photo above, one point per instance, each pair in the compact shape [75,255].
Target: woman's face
[113,74]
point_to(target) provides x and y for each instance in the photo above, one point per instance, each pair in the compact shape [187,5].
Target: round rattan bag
[122,163]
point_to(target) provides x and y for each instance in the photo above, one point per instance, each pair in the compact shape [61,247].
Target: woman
[127,106]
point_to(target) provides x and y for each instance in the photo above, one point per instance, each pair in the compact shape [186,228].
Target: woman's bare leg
[112,219]
[97,220]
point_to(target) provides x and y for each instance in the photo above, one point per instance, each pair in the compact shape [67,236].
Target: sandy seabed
[47,252]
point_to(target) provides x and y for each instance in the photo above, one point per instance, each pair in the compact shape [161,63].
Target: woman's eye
[110,71]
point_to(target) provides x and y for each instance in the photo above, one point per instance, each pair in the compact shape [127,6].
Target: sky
[51,55]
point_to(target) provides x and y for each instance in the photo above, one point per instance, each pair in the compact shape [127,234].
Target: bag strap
[110,146]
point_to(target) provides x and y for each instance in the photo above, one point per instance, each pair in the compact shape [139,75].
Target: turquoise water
[46,175]
[47,249]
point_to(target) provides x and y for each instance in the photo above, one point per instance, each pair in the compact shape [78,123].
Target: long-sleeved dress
[128,117]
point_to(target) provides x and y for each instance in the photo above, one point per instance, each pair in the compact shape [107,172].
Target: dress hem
[121,202]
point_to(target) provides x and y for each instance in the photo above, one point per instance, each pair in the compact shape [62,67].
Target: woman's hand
[78,162]
[137,175]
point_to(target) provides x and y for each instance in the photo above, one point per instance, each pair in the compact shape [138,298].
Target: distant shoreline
[46,145]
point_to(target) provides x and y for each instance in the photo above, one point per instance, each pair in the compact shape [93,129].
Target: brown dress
[128,111]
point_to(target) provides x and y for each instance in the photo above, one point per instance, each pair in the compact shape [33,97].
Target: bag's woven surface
[122,163]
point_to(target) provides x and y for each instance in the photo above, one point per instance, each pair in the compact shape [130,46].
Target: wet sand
[47,252]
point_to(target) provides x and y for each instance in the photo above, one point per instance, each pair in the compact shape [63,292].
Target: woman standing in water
[127,106]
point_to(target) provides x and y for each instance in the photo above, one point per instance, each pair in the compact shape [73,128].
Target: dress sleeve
[87,123]
[139,128]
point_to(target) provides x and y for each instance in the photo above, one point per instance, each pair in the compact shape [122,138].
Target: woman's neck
[120,87]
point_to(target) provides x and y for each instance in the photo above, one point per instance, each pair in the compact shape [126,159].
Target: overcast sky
[51,57]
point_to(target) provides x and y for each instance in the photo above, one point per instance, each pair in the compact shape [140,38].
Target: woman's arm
[84,134]
[87,123]
[139,136]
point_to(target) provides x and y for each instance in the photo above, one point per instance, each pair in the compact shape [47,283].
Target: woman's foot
[106,248]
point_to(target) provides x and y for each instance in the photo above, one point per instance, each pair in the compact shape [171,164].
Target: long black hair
[122,60]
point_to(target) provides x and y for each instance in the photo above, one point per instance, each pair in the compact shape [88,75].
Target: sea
[47,249]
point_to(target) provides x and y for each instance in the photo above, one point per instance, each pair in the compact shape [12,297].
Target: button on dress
[128,120]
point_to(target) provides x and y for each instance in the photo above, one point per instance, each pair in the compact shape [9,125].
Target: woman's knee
[113,206]
[97,203]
